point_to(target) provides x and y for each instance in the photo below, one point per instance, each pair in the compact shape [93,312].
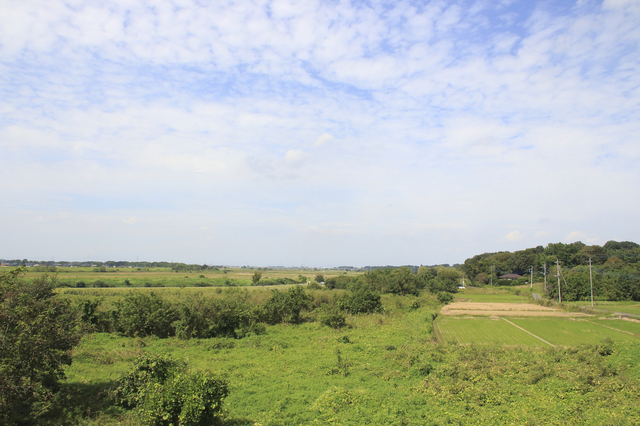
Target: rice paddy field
[632,308]
[528,325]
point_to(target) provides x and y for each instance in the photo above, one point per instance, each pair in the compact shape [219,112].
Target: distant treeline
[615,269]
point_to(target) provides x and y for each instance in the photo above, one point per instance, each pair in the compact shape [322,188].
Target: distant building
[509,277]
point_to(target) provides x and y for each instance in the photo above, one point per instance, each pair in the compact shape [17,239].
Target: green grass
[385,369]
[494,295]
[569,332]
[483,330]
[623,307]
[629,326]
[168,278]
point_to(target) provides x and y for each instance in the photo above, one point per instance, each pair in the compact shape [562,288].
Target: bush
[362,301]
[139,314]
[331,316]
[287,306]
[231,316]
[164,392]
[444,297]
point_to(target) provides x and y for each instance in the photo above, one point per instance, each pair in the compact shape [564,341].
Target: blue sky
[316,133]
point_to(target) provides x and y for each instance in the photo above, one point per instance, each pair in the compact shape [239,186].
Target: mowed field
[528,325]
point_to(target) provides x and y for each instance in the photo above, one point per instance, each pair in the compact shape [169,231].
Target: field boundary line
[526,331]
[616,329]
[437,332]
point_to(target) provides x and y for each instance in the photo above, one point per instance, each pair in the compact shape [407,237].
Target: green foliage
[444,297]
[164,392]
[257,275]
[361,301]
[341,282]
[331,316]
[447,280]
[286,306]
[141,314]
[100,284]
[89,311]
[231,316]
[37,333]
[394,280]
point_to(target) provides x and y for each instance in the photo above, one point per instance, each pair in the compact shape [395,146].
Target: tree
[37,333]
[447,280]
[319,278]
[257,275]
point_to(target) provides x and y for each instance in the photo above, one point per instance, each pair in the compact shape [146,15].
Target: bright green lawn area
[483,330]
[569,332]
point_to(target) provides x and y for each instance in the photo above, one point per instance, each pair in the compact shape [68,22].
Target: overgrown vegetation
[163,392]
[37,333]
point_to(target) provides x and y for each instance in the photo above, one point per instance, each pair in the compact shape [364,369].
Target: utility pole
[558,275]
[491,275]
[545,277]
[591,282]
[531,276]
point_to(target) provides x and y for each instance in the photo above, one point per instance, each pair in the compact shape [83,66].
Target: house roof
[510,276]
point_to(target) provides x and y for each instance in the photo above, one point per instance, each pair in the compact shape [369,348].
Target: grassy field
[383,369]
[116,277]
[494,295]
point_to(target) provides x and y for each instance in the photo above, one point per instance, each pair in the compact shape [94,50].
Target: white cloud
[130,221]
[449,126]
[296,157]
[575,236]
[323,139]
[513,236]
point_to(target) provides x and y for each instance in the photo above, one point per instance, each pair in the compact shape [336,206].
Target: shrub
[362,301]
[444,297]
[164,392]
[286,306]
[139,314]
[331,316]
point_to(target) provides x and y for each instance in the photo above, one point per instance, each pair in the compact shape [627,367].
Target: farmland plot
[630,326]
[483,330]
[505,309]
[569,332]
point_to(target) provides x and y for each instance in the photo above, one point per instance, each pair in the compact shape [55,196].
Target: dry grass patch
[506,309]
